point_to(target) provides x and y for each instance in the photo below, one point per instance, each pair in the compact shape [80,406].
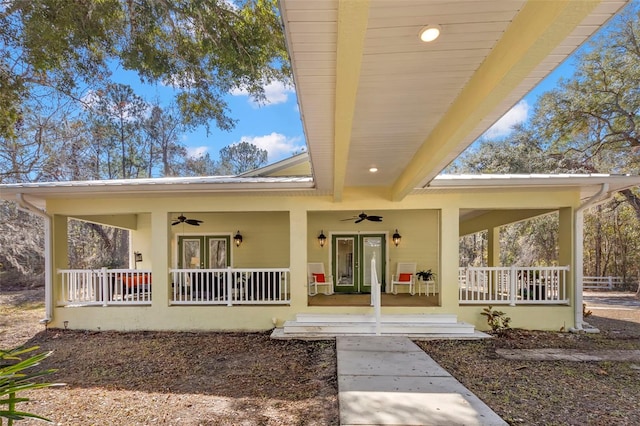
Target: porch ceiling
[372,95]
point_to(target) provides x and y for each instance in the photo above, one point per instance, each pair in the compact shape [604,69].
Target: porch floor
[408,300]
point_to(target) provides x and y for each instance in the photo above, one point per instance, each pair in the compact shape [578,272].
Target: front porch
[201,278]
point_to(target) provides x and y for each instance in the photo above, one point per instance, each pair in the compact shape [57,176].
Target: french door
[203,252]
[351,261]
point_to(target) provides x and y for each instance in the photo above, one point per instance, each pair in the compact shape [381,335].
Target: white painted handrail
[82,287]
[513,285]
[230,286]
[375,295]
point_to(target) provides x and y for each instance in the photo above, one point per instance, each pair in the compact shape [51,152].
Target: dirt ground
[152,378]
[247,379]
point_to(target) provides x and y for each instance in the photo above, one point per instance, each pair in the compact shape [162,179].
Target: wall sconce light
[396,238]
[322,239]
[137,257]
[238,238]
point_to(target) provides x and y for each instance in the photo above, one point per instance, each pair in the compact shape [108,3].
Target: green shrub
[497,320]
[14,379]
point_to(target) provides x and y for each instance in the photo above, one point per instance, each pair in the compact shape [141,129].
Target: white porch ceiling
[372,95]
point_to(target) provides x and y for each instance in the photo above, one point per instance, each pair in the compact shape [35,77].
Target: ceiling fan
[363,216]
[183,219]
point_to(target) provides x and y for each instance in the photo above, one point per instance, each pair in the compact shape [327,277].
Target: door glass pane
[372,248]
[344,261]
[217,253]
[191,253]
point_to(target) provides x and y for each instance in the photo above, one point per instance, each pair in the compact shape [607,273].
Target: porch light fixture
[137,257]
[396,238]
[430,33]
[238,238]
[373,169]
[322,239]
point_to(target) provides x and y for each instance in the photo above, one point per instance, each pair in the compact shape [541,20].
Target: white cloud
[504,126]
[277,145]
[276,92]
[197,152]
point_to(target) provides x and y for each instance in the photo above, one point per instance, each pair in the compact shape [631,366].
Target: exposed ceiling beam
[497,218]
[353,16]
[534,33]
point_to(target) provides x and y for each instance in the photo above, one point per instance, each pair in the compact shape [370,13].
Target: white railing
[513,285]
[601,283]
[231,286]
[82,287]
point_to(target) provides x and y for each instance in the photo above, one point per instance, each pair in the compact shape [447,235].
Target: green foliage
[203,48]
[14,379]
[497,320]
[425,275]
[593,118]
[242,157]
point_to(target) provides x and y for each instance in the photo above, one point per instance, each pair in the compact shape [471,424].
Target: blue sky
[276,126]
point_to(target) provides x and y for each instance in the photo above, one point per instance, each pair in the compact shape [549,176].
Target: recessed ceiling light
[430,33]
[373,169]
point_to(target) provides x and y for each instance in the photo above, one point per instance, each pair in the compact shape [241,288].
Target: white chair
[405,275]
[318,278]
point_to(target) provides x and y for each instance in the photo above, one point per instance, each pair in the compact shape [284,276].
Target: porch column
[60,251]
[449,254]
[298,258]
[566,251]
[493,246]
[160,258]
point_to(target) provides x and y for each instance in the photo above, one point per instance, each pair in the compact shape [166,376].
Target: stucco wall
[281,231]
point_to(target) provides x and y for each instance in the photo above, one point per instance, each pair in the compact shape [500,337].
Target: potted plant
[425,275]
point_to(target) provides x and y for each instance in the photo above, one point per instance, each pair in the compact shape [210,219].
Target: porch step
[420,325]
[394,318]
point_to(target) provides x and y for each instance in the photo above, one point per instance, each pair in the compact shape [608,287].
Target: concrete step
[367,318]
[279,334]
[407,328]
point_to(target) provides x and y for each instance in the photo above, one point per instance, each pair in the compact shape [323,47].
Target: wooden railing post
[104,282]
[513,288]
[229,286]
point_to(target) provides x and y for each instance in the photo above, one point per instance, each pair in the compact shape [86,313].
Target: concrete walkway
[391,381]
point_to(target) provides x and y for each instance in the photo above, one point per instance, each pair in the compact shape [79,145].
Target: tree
[116,121]
[162,131]
[519,153]
[593,118]
[203,48]
[241,157]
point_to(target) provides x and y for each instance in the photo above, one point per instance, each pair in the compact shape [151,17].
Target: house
[383,113]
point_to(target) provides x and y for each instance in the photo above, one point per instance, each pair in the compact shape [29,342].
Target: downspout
[26,206]
[578,244]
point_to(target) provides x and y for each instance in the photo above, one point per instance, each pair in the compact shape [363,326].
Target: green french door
[203,252]
[351,261]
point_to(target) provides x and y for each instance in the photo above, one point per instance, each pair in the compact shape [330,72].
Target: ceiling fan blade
[175,223]
[374,218]
[351,218]
[359,220]
[194,222]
